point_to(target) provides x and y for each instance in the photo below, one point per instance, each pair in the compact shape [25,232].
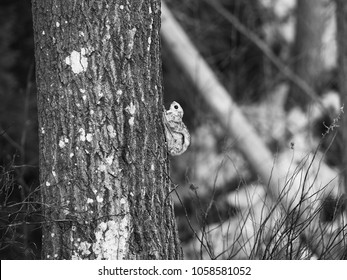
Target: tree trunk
[103,161]
[341,15]
[311,19]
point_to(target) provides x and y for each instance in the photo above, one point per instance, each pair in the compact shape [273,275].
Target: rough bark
[341,15]
[311,19]
[103,162]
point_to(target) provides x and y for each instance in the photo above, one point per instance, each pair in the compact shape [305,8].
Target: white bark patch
[82,134]
[149,43]
[102,167]
[78,61]
[111,131]
[57,24]
[119,93]
[131,121]
[130,42]
[131,109]
[109,159]
[111,239]
[61,143]
[84,248]
[89,137]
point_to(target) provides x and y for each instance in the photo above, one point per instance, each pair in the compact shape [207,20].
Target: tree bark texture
[103,162]
[311,18]
[341,15]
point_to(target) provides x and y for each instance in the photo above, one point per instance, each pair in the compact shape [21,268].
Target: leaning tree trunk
[103,163]
[341,15]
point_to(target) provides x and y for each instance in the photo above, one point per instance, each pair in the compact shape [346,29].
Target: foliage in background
[19,234]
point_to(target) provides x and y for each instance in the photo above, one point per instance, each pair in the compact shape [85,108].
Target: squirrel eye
[176,107]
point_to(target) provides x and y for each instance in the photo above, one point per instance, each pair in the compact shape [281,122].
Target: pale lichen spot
[57,24]
[89,201]
[54,174]
[55,255]
[122,201]
[118,95]
[150,9]
[131,108]
[43,32]
[66,211]
[61,143]
[111,239]
[82,90]
[99,199]
[48,184]
[121,7]
[84,248]
[109,159]
[82,134]
[152,166]
[71,155]
[81,33]
[77,61]
[52,234]
[91,112]
[89,137]
[84,97]
[111,131]
[102,167]
[131,121]
[42,130]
